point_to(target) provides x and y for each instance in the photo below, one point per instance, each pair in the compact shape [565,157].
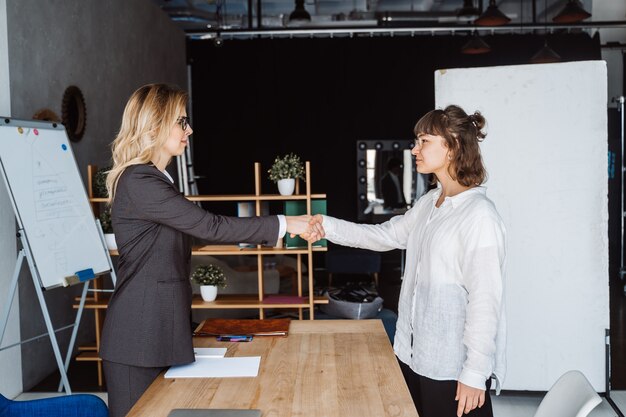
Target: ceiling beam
[410,30]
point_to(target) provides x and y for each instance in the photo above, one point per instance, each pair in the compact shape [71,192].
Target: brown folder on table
[248,327]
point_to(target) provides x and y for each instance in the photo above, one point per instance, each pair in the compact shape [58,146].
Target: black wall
[255,99]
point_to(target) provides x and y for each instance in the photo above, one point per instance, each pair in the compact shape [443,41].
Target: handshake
[307,227]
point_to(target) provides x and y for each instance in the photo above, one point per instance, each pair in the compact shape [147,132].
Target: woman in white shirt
[450,331]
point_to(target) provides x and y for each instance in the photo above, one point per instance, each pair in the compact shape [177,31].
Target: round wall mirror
[46,115]
[74,113]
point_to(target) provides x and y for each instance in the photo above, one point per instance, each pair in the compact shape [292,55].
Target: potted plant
[284,172]
[107,228]
[100,182]
[209,277]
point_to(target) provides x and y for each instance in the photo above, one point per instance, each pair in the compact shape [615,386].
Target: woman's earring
[449,157]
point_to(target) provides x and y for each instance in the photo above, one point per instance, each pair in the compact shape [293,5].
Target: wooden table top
[324,368]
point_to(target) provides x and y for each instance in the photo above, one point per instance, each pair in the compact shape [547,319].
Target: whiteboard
[49,200]
[546,156]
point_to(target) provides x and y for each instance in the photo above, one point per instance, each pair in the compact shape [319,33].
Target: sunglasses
[183,121]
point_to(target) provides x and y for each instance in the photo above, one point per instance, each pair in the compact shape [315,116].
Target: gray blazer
[148,317]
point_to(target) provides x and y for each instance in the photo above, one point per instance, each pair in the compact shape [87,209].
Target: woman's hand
[307,227]
[469,398]
[315,231]
[296,225]
[302,226]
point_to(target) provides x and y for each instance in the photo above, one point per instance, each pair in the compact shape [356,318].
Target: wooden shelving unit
[99,301]
[236,250]
[91,352]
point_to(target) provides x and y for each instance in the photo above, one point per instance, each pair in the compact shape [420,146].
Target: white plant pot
[286,186]
[208,292]
[109,238]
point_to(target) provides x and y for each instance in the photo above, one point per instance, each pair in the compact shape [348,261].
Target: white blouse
[451,323]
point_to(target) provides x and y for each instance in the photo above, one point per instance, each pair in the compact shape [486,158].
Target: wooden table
[324,368]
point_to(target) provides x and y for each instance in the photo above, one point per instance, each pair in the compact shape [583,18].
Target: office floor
[83,376]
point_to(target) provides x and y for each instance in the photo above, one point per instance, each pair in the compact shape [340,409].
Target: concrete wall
[108,49]
[10,359]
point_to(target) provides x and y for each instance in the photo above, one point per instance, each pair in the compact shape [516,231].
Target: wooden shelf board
[237,250]
[225,301]
[103,302]
[228,301]
[87,348]
[88,357]
[252,197]
[237,197]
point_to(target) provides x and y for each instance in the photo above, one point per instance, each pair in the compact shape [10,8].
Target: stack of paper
[217,368]
[209,352]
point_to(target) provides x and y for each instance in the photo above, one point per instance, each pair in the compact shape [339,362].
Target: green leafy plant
[289,166]
[105,220]
[99,183]
[209,275]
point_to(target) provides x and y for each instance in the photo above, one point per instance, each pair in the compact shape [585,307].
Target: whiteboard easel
[61,242]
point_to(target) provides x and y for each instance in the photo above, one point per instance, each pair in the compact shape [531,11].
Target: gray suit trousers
[126,384]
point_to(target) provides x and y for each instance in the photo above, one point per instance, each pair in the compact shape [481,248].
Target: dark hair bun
[478,121]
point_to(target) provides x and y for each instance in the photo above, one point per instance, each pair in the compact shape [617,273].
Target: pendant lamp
[475,46]
[299,15]
[572,12]
[545,55]
[468,9]
[492,16]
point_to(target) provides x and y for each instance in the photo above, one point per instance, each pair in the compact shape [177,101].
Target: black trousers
[125,384]
[434,398]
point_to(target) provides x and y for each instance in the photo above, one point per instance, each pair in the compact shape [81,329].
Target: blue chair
[78,405]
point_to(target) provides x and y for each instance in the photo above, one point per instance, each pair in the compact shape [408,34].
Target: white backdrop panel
[546,155]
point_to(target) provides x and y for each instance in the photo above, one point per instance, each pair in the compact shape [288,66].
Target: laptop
[206,412]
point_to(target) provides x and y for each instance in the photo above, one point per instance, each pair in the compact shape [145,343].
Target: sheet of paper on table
[217,368]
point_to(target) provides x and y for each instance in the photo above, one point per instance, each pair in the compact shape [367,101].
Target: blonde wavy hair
[148,118]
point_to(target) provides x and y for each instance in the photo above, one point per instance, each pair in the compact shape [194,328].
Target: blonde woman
[147,326]
[450,331]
